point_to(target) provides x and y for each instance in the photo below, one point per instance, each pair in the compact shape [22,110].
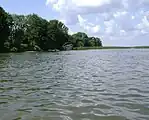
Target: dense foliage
[21,33]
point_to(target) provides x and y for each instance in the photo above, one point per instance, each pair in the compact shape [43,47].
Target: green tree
[17,36]
[57,34]
[35,30]
[91,42]
[5,23]
[94,41]
[80,39]
[98,42]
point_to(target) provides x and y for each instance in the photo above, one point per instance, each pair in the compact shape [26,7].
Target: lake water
[75,85]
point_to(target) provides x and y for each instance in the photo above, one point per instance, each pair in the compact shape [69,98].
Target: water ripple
[75,85]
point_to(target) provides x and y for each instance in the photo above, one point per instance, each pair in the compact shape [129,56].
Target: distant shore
[111,47]
[91,48]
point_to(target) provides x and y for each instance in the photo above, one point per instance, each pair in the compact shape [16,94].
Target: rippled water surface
[75,85]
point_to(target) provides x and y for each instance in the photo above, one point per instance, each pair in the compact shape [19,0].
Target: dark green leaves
[82,40]
[5,23]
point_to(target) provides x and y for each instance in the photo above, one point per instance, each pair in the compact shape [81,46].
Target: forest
[19,33]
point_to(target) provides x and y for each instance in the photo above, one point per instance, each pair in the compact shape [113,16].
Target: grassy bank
[111,47]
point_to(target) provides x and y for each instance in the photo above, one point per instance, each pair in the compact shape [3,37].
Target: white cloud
[144,23]
[122,32]
[75,7]
[51,1]
[89,3]
[96,28]
[88,27]
[132,17]
[119,14]
[109,26]
[112,19]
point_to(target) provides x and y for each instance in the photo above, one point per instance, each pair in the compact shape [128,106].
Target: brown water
[75,85]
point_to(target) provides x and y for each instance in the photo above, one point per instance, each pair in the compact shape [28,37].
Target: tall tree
[35,31]
[17,32]
[5,23]
[57,33]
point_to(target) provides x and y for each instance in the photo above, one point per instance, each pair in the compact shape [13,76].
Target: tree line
[20,33]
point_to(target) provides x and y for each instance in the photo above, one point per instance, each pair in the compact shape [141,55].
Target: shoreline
[89,48]
[110,47]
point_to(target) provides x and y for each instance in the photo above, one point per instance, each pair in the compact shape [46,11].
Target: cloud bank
[117,20]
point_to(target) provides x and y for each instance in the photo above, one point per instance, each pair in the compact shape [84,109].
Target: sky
[116,22]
